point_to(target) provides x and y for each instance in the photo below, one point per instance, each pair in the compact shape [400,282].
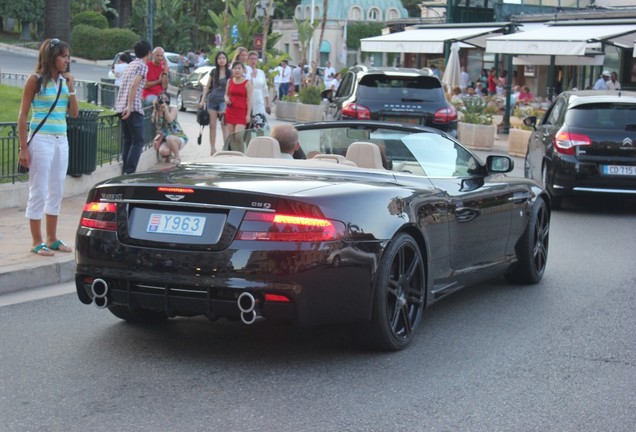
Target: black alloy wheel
[532,250]
[399,295]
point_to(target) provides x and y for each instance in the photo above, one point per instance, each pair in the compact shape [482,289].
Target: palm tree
[57,21]
[322,34]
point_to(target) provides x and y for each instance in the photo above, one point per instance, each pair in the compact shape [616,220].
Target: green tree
[305,32]
[413,8]
[26,11]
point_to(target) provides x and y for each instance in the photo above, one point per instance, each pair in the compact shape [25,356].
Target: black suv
[585,143]
[401,95]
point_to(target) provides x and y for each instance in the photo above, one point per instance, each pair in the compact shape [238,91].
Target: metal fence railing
[108,142]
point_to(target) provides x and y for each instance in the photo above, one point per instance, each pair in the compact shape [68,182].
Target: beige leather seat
[231,153]
[263,147]
[365,155]
[334,158]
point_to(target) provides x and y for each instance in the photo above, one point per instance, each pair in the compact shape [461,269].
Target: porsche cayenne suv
[402,95]
[585,144]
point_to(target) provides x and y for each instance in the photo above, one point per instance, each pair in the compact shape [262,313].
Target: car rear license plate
[618,170]
[406,120]
[178,224]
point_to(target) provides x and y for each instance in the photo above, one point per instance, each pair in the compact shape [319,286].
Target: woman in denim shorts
[214,97]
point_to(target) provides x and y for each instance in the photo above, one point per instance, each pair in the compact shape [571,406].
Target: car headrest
[365,155]
[264,147]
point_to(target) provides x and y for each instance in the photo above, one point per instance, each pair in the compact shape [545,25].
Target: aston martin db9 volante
[377,223]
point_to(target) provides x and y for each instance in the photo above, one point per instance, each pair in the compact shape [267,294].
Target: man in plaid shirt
[130,109]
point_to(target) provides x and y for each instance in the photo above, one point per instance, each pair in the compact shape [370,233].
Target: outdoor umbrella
[451,74]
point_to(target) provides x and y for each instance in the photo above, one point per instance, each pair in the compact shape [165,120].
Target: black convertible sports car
[382,222]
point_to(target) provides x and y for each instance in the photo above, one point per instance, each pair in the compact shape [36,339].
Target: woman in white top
[260,93]
[120,66]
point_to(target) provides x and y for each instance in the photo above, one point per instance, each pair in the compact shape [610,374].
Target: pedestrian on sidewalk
[214,97]
[130,109]
[156,77]
[50,95]
[170,137]
[238,101]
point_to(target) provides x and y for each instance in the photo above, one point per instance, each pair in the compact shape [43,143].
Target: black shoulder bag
[22,169]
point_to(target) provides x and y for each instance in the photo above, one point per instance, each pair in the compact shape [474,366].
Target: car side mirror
[530,121]
[499,164]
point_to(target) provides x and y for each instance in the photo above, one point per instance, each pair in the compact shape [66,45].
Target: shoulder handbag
[22,169]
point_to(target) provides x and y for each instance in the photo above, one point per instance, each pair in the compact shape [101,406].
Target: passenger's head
[287,137]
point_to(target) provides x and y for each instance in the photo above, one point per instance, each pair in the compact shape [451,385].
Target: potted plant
[519,133]
[310,107]
[475,128]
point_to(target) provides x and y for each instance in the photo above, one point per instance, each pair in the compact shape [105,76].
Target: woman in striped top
[47,153]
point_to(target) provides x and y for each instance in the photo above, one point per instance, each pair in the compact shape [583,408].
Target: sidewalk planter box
[518,142]
[308,113]
[476,136]
[82,143]
[286,110]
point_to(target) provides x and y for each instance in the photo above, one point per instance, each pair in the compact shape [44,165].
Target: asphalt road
[558,356]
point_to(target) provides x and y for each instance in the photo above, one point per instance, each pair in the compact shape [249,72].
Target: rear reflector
[102,216]
[281,227]
[276,298]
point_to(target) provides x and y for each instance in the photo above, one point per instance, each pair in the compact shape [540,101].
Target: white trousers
[47,172]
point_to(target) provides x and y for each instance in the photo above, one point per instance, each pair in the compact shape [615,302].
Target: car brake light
[102,216]
[356,111]
[175,189]
[445,115]
[566,142]
[281,227]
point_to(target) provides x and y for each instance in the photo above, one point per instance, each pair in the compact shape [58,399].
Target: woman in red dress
[238,100]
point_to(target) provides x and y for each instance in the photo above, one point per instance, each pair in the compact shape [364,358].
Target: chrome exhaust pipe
[100,302]
[247,304]
[99,288]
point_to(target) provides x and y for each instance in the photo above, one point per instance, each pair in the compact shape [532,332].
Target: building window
[374,14]
[298,13]
[355,13]
[392,14]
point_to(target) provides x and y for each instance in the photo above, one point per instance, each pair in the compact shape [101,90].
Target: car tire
[532,249]
[398,303]
[139,316]
[180,104]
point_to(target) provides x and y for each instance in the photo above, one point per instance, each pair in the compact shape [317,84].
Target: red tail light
[280,227]
[99,215]
[356,111]
[445,115]
[566,142]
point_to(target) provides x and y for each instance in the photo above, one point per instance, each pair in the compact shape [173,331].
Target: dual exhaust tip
[99,288]
[248,305]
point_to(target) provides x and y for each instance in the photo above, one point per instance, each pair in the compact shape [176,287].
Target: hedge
[99,44]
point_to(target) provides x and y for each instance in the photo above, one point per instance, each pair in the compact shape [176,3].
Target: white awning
[555,39]
[536,60]
[426,40]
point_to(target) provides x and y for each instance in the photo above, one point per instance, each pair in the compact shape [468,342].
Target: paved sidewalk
[21,269]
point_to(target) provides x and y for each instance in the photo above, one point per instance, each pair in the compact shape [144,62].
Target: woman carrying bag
[50,94]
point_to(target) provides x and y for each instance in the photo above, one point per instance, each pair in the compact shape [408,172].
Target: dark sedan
[585,144]
[384,221]
[191,88]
